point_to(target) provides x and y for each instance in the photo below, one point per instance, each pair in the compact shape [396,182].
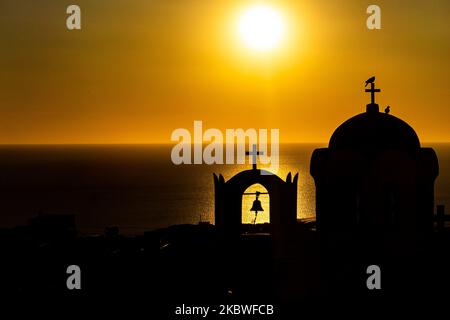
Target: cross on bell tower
[372,106]
[254,153]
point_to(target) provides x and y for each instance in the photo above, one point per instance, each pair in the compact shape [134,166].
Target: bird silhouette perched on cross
[370,80]
[372,90]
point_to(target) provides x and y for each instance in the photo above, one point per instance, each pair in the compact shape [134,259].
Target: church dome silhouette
[375,177]
[374,131]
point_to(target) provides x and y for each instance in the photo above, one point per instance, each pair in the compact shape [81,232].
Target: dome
[372,131]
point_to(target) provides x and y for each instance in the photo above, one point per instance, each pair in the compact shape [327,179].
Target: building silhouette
[374,176]
[228,201]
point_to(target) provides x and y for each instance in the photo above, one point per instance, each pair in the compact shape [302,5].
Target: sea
[137,187]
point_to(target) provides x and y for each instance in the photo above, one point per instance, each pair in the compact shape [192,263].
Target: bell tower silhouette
[228,199]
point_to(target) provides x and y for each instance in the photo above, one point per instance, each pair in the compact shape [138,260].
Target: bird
[370,80]
[387,110]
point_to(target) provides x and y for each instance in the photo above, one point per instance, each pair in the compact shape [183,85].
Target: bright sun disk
[261,28]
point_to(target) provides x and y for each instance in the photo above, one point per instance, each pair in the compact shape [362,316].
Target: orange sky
[139,69]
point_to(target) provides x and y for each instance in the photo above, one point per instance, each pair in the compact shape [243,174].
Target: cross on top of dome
[372,106]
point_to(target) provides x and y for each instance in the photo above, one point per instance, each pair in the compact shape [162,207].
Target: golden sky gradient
[140,69]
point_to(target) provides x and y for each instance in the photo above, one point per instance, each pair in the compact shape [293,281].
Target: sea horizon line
[166,143]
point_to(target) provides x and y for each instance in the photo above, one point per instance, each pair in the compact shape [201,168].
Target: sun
[261,27]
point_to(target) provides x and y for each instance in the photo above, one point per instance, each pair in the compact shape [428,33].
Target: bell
[256,204]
